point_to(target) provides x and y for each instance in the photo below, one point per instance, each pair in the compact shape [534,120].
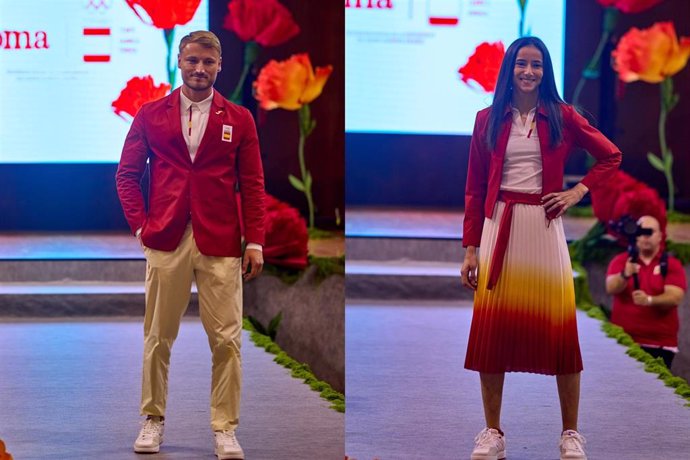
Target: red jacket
[204,190]
[485,169]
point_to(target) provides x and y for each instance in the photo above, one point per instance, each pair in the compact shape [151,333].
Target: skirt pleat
[526,323]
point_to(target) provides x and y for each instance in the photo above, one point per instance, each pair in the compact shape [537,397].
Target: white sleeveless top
[522,167]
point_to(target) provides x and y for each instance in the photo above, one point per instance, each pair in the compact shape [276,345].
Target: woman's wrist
[582,189]
[624,276]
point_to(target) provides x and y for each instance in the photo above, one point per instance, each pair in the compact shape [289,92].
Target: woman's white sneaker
[572,446]
[489,444]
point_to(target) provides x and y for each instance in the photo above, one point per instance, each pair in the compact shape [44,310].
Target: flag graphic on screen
[96,44]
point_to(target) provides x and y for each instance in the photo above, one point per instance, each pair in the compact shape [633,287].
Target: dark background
[429,171]
[68,196]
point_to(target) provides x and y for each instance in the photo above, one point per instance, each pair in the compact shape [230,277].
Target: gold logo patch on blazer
[227,133]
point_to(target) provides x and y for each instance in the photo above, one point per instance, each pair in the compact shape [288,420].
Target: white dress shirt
[198,123]
[522,168]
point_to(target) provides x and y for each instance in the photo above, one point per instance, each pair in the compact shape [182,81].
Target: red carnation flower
[483,65]
[164,14]
[139,91]
[266,22]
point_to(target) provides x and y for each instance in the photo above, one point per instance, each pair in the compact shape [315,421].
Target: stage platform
[85,274]
[417,253]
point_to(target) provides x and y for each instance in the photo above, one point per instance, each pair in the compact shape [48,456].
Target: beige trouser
[168,288]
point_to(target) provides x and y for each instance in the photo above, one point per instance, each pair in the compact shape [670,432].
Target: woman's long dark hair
[548,94]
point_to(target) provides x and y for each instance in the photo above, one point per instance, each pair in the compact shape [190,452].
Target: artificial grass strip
[325,267]
[298,370]
[651,364]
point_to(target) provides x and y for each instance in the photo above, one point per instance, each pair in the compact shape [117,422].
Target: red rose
[266,22]
[138,92]
[651,54]
[483,65]
[605,196]
[286,235]
[165,14]
[630,6]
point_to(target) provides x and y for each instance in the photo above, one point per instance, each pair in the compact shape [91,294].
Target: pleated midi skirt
[526,323]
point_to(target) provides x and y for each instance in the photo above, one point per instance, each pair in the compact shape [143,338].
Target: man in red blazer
[199,148]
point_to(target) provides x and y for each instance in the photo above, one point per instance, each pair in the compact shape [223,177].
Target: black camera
[628,228]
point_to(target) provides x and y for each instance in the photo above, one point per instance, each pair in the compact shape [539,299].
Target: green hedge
[299,370]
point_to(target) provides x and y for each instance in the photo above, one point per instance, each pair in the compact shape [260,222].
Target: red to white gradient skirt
[526,323]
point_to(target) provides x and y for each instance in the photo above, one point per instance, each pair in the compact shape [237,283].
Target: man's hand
[641,298]
[469,268]
[253,259]
[138,235]
[630,268]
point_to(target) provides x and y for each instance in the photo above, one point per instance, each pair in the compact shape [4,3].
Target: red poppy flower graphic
[139,91]
[164,14]
[483,65]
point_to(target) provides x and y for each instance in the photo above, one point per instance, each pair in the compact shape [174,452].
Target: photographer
[648,284]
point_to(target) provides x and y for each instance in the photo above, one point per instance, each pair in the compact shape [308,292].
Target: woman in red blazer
[524,304]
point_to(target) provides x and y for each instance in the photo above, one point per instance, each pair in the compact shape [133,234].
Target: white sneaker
[227,446]
[572,446]
[489,445]
[150,437]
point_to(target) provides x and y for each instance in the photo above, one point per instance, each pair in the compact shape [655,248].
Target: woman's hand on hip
[564,200]
[469,270]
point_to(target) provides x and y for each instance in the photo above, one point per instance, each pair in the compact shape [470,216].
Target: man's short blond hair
[202,37]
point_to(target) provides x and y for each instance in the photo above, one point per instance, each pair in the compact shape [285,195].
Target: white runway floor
[70,390]
[408,396]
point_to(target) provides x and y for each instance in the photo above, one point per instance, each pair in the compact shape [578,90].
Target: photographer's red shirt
[648,325]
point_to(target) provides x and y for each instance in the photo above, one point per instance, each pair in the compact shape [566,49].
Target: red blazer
[485,169]
[204,190]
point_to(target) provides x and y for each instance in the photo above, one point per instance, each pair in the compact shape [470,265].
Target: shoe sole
[230,456]
[148,450]
[500,456]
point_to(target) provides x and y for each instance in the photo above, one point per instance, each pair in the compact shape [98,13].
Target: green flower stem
[169,35]
[591,71]
[251,53]
[306,125]
[522,4]
[667,104]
